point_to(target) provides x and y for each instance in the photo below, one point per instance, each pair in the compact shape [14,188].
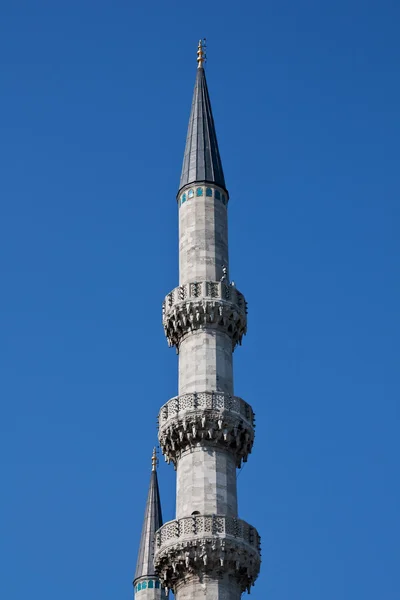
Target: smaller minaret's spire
[201,56]
[145,575]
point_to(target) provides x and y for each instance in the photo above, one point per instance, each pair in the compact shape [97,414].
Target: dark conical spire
[201,161]
[152,522]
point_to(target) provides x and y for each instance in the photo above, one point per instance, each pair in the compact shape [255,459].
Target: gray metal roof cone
[152,522]
[202,161]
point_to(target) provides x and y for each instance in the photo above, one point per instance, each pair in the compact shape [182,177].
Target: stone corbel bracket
[205,545]
[206,418]
[212,304]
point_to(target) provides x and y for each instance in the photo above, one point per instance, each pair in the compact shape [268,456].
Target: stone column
[224,588]
[206,431]
[203,233]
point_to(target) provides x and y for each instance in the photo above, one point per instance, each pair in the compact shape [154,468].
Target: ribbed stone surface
[203,239]
[206,483]
[206,362]
[206,588]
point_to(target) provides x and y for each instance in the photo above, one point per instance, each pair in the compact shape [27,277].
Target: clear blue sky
[95,100]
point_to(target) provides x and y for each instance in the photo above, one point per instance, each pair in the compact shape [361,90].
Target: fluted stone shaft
[203,236]
[225,588]
[205,362]
[206,477]
[206,483]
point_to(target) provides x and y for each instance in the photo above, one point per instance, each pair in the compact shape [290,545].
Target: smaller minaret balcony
[196,305]
[206,419]
[207,545]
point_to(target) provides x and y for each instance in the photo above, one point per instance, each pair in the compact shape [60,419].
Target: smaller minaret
[146,583]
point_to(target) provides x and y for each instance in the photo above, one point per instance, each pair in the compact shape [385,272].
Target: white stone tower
[207,553]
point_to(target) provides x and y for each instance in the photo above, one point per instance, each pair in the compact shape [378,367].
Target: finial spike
[201,55]
[154,460]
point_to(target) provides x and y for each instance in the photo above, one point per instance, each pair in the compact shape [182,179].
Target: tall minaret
[146,583]
[207,553]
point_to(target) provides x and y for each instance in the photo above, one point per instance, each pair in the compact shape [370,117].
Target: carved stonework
[206,418]
[207,545]
[204,304]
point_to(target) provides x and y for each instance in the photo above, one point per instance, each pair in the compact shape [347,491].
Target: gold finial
[201,55]
[154,460]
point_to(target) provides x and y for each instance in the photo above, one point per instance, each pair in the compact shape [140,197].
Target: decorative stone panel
[204,304]
[207,545]
[206,418]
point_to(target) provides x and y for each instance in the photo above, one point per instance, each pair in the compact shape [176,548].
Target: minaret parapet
[207,546]
[211,419]
[214,304]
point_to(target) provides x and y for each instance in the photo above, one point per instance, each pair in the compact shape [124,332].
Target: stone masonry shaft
[207,553]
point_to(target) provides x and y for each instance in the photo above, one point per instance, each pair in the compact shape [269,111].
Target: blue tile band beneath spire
[192,194]
[149,584]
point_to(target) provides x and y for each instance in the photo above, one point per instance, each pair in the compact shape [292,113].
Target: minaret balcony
[207,545]
[206,418]
[196,305]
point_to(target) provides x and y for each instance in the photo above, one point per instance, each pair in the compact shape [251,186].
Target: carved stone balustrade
[206,418]
[204,304]
[207,545]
